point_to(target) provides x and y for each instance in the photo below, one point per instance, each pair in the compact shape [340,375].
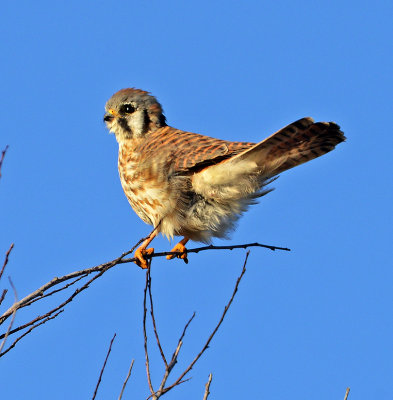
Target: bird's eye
[127,109]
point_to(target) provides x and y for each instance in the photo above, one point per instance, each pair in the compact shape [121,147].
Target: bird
[195,186]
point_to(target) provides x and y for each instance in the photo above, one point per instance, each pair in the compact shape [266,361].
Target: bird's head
[133,113]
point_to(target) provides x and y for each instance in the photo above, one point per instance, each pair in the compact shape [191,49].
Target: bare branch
[210,247]
[347,393]
[126,380]
[2,157]
[76,292]
[6,259]
[29,330]
[154,322]
[145,334]
[207,387]
[103,367]
[12,319]
[104,267]
[40,291]
[56,281]
[55,291]
[98,270]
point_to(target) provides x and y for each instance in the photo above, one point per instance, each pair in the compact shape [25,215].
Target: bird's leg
[180,247]
[141,252]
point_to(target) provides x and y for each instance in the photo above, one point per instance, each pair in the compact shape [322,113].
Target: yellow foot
[140,255]
[181,249]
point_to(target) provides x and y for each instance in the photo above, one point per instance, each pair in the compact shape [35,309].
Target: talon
[140,255]
[181,249]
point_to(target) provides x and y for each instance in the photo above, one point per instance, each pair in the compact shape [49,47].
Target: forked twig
[103,367]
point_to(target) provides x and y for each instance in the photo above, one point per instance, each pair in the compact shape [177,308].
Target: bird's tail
[293,145]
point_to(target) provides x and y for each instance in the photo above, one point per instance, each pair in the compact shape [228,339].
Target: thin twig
[42,296]
[154,322]
[126,380]
[210,247]
[145,334]
[2,157]
[180,343]
[3,295]
[29,330]
[207,387]
[347,393]
[6,259]
[188,369]
[103,367]
[12,319]
[173,362]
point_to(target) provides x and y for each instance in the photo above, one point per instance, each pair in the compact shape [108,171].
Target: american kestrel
[195,186]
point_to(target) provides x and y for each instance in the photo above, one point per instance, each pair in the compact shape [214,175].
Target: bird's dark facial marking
[162,120]
[146,121]
[123,123]
[126,109]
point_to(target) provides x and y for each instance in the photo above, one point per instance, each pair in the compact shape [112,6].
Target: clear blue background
[305,324]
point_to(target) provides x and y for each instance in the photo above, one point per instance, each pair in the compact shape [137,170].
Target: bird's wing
[189,152]
[244,174]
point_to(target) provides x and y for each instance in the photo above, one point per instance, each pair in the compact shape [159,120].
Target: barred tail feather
[293,145]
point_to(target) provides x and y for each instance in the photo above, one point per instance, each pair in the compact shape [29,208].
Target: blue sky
[305,324]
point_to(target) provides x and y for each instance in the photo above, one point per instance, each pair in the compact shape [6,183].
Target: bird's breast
[146,185]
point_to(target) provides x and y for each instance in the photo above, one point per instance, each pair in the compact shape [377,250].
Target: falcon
[195,186]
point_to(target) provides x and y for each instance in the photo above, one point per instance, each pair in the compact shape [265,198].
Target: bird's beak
[110,115]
